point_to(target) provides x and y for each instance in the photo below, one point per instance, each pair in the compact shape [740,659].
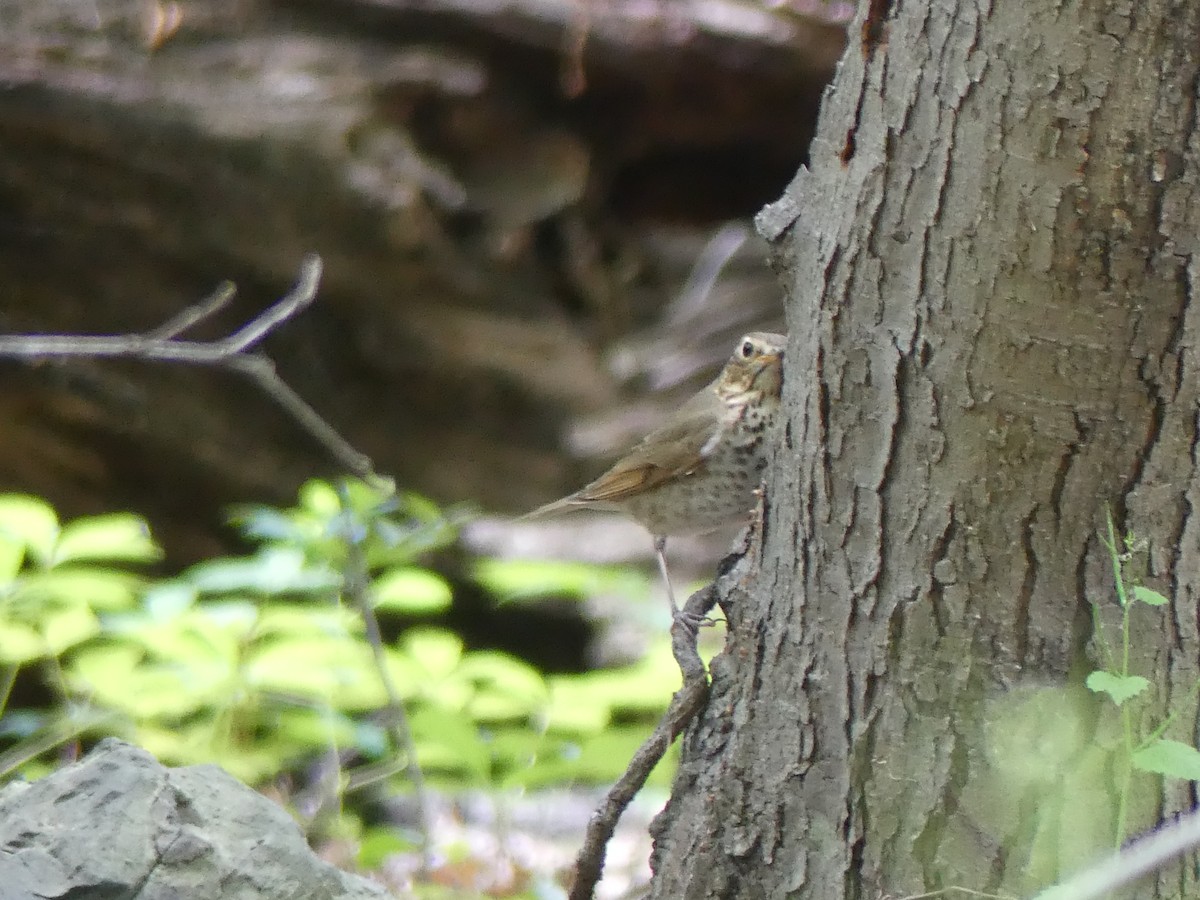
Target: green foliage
[251,662]
[1152,753]
[521,579]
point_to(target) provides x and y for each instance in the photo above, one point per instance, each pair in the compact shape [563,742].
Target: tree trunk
[991,268]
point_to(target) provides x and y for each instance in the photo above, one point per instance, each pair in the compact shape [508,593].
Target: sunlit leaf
[515,579]
[314,728]
[1171,758]
[573,708]
[422,508]
[275,570]
[99,589]
[514,749]
[266,523]
[31,522]
[12,555]
[237,617]
[505,687]
[119,537]
[103,664]
[67,627]
[168,599]
[1119,687]
[1149,597]
[19,643]
[604,756]
[295,620]
[320,498]
[435,651]
[204,741]
[380,842]
[122,678]
[411,590]
[324,668]
[448,741]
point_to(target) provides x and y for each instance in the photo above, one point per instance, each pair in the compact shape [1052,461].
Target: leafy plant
[1153,753]
[252,663]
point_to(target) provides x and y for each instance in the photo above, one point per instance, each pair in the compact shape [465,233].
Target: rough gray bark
[992,268]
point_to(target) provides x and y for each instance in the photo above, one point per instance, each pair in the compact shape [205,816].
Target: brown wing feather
[675,450]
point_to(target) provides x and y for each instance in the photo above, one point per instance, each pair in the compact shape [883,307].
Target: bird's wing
[673,451]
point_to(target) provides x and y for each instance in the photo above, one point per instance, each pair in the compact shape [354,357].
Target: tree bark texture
[992,273]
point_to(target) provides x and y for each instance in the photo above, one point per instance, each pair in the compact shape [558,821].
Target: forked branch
[236,352]
[688,701]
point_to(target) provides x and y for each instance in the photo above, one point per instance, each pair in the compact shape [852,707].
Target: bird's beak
[771,362]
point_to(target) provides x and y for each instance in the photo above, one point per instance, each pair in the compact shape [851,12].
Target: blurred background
[534,218]
[535,222]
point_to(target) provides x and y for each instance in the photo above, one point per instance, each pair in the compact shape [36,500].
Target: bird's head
[756,367]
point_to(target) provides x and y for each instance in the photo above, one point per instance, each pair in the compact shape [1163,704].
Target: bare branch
[688,701]
[262,370]
[197,312]
[302,295]
[357,589]
[161,344]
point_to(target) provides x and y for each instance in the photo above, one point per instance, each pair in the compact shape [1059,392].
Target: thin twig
[686,703]
[262,370]
[357,590]
[233,352]
[197,312]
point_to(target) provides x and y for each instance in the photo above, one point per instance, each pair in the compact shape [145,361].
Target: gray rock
[118,824]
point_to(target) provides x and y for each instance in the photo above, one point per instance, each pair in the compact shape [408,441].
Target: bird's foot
[690,622]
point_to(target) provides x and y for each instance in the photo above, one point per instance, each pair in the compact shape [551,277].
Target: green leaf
[502,688]
[275,570]
[1119,687]
[314,728]
[120,537]
[19,643]
[12,554]
[380,842]
[265,523]
[68,627]
[31,522]
[435,651]
[293,620]
[572,708]
[446,740]
[410,590]
[514,579]
[321,499]
[99,589]
[125,679]
[1149,597]
[1171,758]
[168,599]
[326,669]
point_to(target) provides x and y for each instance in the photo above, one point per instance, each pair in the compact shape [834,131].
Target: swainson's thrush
[699,470]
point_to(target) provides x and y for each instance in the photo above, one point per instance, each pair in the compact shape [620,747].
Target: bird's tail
[566,504]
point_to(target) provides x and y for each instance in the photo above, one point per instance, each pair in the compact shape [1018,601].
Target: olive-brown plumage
[699,470]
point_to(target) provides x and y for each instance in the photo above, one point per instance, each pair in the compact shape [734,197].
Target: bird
[701,468]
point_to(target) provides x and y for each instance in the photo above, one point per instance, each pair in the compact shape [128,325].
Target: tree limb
[688,701]
[233,352]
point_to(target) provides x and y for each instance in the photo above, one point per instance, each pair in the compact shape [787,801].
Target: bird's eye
[747,349]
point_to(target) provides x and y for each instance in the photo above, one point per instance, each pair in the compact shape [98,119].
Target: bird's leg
[684,619]
[660,550]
